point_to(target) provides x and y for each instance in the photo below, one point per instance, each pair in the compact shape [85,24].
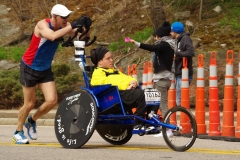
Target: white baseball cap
[60,10]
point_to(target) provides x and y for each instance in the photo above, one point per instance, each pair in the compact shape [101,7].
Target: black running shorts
[30,77]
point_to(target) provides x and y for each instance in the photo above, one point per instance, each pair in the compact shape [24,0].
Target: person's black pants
[134,98]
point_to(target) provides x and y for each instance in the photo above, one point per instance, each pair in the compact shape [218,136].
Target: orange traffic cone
[214,114]
[200,102]
[121,69]
[172,97]
[145,76]
[185,97]
[228,128]
[129,71]
[237,133]
[150,75]
[134,71]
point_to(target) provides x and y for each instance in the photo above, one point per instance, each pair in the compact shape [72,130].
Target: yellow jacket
[102,76]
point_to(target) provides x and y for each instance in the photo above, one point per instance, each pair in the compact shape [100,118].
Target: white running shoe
[31,129]
[149,128]
[20,138]
[169,134]
[141,127]
[138,127]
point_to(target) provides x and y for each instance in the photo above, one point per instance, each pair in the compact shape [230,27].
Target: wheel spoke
[183,139]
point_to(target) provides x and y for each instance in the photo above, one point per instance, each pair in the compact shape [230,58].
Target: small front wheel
[184,137]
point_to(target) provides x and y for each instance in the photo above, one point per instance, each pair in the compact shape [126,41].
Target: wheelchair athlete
[104,73]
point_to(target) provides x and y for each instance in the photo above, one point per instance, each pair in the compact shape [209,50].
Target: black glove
[76,24]
[85,21]
[88,22]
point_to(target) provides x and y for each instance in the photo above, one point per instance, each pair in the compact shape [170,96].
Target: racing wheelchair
[100,108]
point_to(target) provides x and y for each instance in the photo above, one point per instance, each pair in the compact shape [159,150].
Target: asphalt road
[138,148]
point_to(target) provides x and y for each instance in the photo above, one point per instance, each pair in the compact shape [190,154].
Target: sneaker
[159,128]
[138,127]
[141,127]
[149,128]
[20,138]
[169,134]
[31,129]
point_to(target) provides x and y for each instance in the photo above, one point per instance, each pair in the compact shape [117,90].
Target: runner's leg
[29,102]
[50,94]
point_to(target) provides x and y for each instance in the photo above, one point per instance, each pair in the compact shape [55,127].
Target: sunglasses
[64,17]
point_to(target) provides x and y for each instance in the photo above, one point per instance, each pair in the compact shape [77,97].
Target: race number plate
[152,96]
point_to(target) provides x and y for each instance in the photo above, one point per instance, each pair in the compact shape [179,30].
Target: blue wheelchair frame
[111,120]
[106,96]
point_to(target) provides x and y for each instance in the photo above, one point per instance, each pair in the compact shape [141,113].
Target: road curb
[13,121]
[223,138]
[14,114]
[9,117]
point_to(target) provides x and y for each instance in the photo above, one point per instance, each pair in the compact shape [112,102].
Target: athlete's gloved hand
[85,21]
[76,24]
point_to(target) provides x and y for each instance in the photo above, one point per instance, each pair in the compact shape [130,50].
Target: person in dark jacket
[162,64]
[184,49]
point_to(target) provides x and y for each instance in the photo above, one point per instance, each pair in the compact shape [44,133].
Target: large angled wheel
[75,119]
[115,134]
[183,138]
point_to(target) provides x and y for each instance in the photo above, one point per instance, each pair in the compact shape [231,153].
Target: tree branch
[102,43]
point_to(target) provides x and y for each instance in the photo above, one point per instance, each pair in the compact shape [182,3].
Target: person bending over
[35,69]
